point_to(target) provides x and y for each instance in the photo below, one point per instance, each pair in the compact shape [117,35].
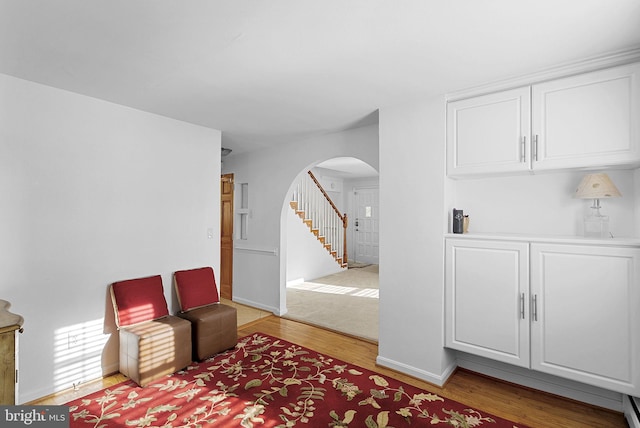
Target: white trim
[633,418]
[263,251]
[569,240]
[542,382]
[365,187]
[436,379]
[257,305]
[590,64]
[45,391]
[295,282]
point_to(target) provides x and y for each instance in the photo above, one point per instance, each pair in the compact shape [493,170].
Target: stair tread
[316,232]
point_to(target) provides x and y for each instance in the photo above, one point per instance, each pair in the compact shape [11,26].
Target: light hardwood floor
[521,405]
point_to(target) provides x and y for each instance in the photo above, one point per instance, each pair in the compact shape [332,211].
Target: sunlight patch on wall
[78,353]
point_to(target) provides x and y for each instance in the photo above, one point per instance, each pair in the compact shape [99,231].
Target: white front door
[365,225]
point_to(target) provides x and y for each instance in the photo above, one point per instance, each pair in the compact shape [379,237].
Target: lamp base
[596,225]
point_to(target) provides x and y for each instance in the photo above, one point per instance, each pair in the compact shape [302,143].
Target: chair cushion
[196,288]
[138,300]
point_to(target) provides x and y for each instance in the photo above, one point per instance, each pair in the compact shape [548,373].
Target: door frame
[226,243]
[353,214]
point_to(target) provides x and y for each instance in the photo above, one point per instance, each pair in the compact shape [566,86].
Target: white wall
[307,258]
[412,221]
[93,193]
[334,186]
[541,204]
[351,184]
[259,273]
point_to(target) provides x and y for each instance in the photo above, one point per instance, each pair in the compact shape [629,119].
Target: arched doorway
[319,291]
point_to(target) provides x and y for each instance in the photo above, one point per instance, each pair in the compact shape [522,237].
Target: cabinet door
[489,134]
[589,120]
[8,368]
[487,299]
[585,321]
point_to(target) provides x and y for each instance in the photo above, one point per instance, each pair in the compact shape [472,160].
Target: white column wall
[412,222]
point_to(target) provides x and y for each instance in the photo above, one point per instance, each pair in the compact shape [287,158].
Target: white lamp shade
[596,186]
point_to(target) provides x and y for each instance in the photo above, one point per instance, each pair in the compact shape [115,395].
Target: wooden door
[489,133]
[226,236]
[8,367]
[487,287]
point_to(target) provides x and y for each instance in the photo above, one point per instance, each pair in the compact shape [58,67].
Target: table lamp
[596,187]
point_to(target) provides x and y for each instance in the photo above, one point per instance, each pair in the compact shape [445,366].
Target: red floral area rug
[268,382]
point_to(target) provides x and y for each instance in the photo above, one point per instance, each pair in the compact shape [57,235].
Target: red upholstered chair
[152,342]
[214,326]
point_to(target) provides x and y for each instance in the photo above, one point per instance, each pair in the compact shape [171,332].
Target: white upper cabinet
[489,133]
[589,120]
[584,121]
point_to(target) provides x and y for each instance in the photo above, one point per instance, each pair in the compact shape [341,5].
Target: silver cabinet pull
[523,148]
[535,147]
[535,307]
[522,305]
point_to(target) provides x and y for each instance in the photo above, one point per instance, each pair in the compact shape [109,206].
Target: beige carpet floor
[346,302]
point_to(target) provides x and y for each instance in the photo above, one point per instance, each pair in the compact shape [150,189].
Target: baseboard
[27,397]
[542,382]
[256,305]
[632,410]
[293,282]
[436,379]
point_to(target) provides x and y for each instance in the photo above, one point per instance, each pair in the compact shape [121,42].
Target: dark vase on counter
[458,221]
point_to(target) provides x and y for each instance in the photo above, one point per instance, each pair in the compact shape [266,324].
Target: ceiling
[348,168]
[269,72]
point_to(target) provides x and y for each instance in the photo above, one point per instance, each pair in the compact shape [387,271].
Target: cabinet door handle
[523,149]
[535,307]
[522,305]
[535,148]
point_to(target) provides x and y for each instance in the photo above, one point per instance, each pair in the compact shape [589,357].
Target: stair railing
[322,216]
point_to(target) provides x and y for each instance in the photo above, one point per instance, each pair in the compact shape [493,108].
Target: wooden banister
[345,223]
[342,217]
[327,197]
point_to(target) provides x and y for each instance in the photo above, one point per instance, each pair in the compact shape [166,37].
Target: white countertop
[555,239]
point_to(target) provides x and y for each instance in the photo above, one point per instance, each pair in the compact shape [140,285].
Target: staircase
[316,209]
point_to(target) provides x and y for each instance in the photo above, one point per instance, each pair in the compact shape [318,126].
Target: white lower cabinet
[568,310]
[586,325]
[487,294]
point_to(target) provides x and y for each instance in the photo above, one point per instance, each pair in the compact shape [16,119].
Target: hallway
[346,302]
